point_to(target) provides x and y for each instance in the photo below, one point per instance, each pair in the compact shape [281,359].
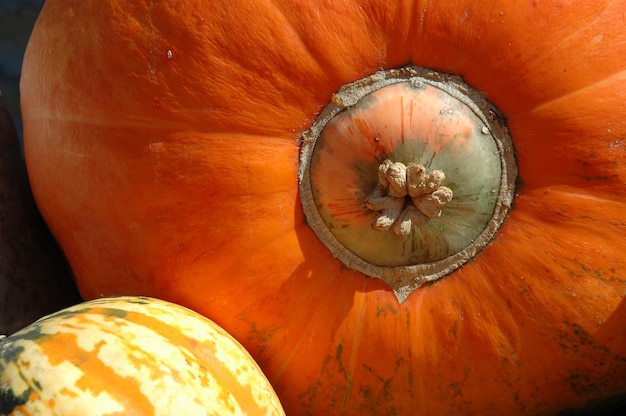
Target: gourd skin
[162,144]
[129,355]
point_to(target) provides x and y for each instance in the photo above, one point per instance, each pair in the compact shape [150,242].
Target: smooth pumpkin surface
[162,141]
[129,356]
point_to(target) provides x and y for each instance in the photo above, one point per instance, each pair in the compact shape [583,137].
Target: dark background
[34,277]
[17,18]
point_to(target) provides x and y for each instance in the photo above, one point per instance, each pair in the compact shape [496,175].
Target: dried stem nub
[406,196]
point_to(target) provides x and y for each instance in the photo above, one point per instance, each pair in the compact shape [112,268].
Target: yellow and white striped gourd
[130,356]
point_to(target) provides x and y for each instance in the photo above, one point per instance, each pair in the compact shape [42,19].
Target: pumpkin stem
[373,166]
[405,197]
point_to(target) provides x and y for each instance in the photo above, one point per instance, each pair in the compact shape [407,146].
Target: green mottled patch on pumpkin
[70,312]
[118,313]
[140,300]
[9,401]
[9,352]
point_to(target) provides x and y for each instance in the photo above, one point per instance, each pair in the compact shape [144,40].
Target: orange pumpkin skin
[162,145]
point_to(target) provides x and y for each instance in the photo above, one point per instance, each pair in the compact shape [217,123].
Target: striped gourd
[130,356]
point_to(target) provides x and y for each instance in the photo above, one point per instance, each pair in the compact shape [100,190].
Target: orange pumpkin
[163,140]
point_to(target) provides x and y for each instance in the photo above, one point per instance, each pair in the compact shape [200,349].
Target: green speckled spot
[9,401]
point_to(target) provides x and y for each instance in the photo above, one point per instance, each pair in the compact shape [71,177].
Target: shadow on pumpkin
[612,332]
[323,278]
[325,305]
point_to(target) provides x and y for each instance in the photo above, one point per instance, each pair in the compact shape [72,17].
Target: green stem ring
[406,175]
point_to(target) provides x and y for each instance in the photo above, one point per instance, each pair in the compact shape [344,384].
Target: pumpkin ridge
[131,121]
[584,195]
[275,240]
[353,361]
[617,78]
[318,304]
[571,278]
[292,25]
[572,34]
[574,77]
[418,15]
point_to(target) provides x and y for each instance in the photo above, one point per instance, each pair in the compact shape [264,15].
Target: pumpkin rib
[286,362]
[439,348]
[584,195]
[310,320]
[576,30]
[128,121]
[321,56]
[358,26]
[418,12]
[422,49]
[610,82]
[293,26]
[175,100]
[500,60]
[184,157]
[231,244]
[237,55]
[575,75]
[565,215]
[309,332]
[228,261]
[360,307]
[265,182]
[588,140]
